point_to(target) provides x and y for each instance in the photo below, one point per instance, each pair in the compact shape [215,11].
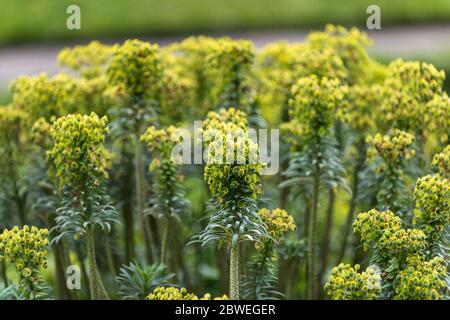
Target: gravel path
[400,41]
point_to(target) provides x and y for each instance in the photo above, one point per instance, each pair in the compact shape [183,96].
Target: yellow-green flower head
[45,97]
[402,241]
[278,221]
[392,148]
[350,45]
[346,283]
[11,123]
[438,111]
[26,248]
[421,280]
[226,53]
[40,132]
[160,139]
[136,67]
[372,224]
[315,101]
[358,112]
[432,196]
[233,165]
[78,148]
[408,87]
[442,161]
[171,293]
[89,61]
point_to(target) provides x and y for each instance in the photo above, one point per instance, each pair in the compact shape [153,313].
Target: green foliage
[136,280]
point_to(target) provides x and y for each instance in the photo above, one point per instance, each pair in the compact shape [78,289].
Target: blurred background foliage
[41,20]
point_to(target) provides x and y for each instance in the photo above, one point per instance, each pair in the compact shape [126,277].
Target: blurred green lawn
[37,20]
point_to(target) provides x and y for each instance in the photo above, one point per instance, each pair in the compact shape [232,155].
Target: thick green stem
[327,234]
[139,175]
[165,232]
[234,272]
[96,286]
[3,273]
[312,273]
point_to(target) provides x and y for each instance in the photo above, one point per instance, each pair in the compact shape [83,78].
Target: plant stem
[312,274]
[351,212]
[165,232]
[96,286]
[3,273]
[234,272]
[139,175]
[327,234]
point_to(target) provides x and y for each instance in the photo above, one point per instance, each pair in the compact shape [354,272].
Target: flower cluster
[228,64]
[161,140]
[421,280]
[350,45]
[45,97]
[171,293]
[358,113]
[346,283]
[278,221]
[408,88]
[136,67]
[402,241]
[392,148]
[372,224]
[442,161]
[314,103]
[432,196]
[25,248]
[11,122]
[78,148]
[89,61]
[438,109]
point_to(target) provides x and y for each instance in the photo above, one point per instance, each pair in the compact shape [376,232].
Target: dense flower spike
[45,97]
[392,148]
[438,110]
[26,248]
[171,293]
[346,283]
[432,195]
[136,67]
[442,161]
[350,45]
[228,62]
[12,120]
[421,280]
[408,88]
[78,151]
[278,221]
[89,61]
[314,103]
[372,224]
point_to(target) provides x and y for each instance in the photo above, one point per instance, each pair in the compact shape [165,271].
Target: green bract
[346,283]
[136,67]
[314,103]
[421,280]
[78,149]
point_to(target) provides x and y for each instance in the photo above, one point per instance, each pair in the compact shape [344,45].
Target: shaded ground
[390,41]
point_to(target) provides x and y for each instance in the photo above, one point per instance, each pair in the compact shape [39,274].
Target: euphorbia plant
[168,201]
[81,160]
[313,106]
[232,173]
[262,270]
[388,155]
[26,248]
[135,68]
